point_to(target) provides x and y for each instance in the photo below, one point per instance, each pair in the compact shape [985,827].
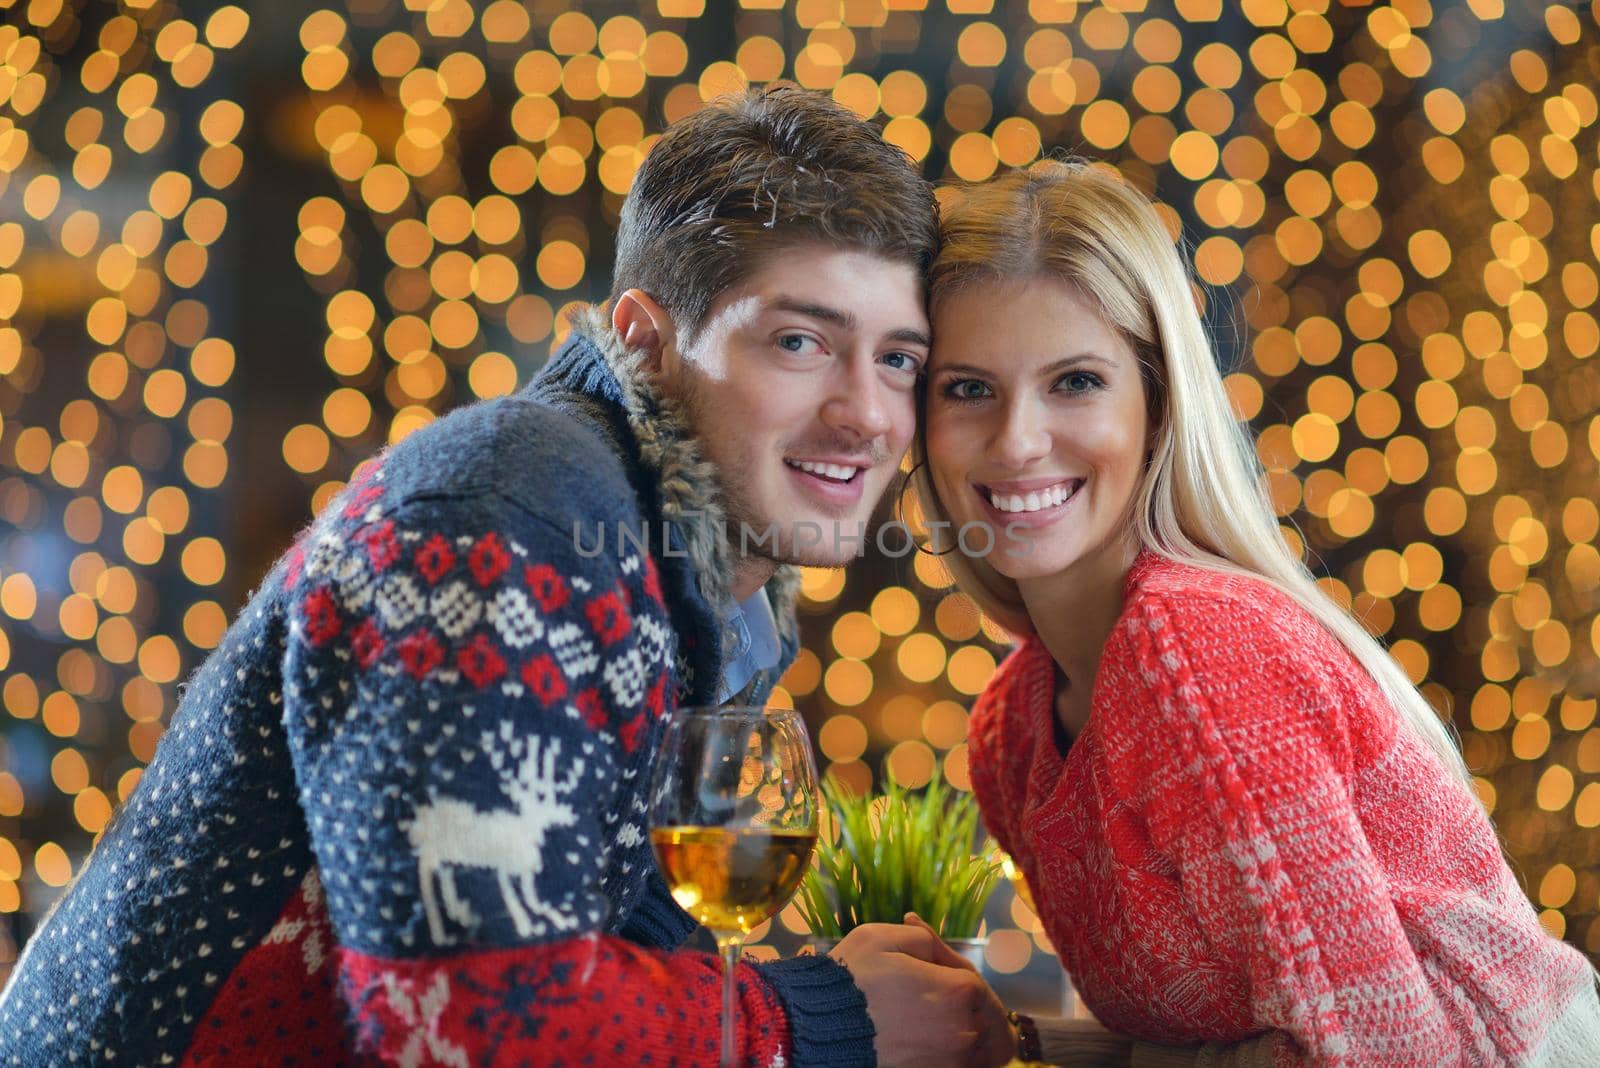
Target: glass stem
[728,946]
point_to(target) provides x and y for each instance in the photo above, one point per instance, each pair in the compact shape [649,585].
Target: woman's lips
[1042,516]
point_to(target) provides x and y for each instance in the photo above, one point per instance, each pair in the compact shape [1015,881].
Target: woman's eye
[967,389]
[1079,381]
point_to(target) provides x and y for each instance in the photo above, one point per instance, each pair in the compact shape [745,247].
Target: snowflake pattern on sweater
[471,725]
[490,686]
[281,996]
[400,814]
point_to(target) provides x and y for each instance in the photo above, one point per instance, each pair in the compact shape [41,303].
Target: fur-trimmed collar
[690,492]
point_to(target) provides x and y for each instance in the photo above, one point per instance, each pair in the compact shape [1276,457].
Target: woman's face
[1037,426]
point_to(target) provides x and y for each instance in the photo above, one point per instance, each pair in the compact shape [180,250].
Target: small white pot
[970,948]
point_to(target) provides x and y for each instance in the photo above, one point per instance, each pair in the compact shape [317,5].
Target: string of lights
[1391,209]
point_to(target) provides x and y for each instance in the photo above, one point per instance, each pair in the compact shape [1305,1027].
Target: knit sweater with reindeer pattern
[399,815]
[1244,849]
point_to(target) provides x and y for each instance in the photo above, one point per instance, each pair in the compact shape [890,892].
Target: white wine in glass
[733,820]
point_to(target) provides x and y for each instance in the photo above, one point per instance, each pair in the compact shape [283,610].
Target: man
[400,811]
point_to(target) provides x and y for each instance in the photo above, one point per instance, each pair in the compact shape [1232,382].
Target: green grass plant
[896,852]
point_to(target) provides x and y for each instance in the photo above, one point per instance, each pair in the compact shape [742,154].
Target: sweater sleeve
[471,701]
[983,767]
[992,767]
[1247,762]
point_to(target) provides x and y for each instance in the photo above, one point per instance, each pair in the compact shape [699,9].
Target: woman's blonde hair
[1201,499]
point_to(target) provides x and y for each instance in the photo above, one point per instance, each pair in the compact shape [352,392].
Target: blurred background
[241,251]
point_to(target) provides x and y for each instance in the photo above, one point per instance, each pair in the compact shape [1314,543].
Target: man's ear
[643,324]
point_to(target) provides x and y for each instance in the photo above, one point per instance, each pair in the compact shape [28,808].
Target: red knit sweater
[1244,840]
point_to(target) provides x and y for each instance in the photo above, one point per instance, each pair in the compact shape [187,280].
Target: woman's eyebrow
[1076,358]
[1051,368]
[961,368]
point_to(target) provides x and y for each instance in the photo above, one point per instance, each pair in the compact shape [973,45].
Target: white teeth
[843,474]
[1033,502]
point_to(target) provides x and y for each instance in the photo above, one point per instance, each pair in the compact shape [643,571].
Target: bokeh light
[1379,202]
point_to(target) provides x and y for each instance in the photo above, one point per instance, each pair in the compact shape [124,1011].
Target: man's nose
[859,401]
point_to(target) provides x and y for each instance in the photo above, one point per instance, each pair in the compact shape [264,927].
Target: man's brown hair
[751,174]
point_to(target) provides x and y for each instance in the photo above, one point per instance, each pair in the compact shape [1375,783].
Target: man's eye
[902,361]
[795,343]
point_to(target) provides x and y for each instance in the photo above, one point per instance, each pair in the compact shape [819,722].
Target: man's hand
[927,1002]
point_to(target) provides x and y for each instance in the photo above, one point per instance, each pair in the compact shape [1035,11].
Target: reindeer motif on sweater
[448,833]
[398,815]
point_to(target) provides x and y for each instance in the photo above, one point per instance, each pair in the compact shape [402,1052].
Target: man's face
[800,386]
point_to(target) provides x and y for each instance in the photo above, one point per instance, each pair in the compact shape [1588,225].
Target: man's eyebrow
[914,337]
[845,320]
[827,314]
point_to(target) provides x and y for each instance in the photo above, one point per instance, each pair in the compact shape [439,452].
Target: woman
[1249,837]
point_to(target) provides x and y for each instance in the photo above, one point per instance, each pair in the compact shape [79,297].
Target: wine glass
[733,819]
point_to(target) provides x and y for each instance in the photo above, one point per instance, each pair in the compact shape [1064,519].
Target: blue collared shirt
[749,644]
